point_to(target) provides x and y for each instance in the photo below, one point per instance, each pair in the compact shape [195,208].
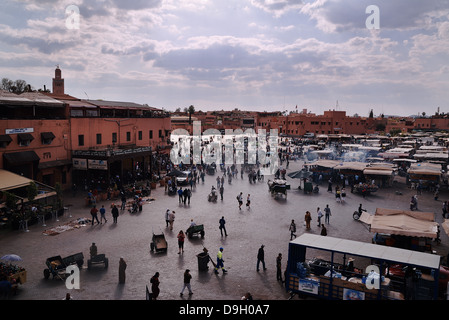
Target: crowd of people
[223,174]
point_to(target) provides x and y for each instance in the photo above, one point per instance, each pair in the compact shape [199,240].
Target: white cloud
[226,53]
[277,7]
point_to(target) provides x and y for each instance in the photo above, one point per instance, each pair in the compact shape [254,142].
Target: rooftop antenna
[336,106]
[86,95]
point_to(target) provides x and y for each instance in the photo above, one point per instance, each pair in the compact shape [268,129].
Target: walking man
[307,219]
[327,214]
[189,194]
[94,215]
[184,194]
[180,194]
[240,200]
[171,219]
[121,270]
[261,258]
[221,191]
[167,218]
[114,213]
[220,262]
[319,214]
[222,227]
[187,278]
[278,268]
[102,214]
[123,198]
[292,229]
[248,202]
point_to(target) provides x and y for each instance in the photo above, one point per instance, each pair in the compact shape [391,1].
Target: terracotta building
[298,124]
[34,137]
[112,138]
[56,138]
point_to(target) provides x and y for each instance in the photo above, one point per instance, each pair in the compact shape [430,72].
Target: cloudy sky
[223,54]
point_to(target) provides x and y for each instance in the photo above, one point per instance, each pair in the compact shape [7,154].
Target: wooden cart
[158,244]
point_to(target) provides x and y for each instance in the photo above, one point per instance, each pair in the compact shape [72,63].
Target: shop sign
[350,294]
[308,285]
[80,164]
[97,164]
[19,130]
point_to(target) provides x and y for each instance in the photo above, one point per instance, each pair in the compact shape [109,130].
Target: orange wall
[90,127]
[57,150]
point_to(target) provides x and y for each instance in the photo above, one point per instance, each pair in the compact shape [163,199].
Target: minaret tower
[58,82]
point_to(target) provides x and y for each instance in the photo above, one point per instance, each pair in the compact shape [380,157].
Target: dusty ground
[267,223]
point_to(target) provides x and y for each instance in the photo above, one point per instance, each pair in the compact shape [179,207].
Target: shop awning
[378,172]
[5,138]
[47,135]
[10,180]
[323,163]
[351,165]
[18,158]
[374,251]
[25,137]
[406,223]
[55,163]
[425,169]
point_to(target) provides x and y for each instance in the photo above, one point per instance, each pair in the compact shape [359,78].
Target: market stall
[351,168]
[428,174]
[11,275]
[15,205]
[381,173]
[413,230]
[339,269]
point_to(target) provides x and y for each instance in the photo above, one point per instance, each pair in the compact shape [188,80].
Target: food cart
[341,269]
[56,266]
[13,273]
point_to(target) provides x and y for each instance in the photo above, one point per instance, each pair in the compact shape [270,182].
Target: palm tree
[191,110]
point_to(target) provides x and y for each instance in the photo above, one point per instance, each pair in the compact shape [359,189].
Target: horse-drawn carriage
[278,187]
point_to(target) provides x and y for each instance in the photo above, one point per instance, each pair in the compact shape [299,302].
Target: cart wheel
[46,273]
[356,215]
[202,234]
[152,246]
[106,263]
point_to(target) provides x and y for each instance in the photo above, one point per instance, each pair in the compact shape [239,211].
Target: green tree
[11,201]
[18,86]
[31,191]
[191,110]
[59,199]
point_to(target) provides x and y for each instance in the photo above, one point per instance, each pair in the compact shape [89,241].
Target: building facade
[53,137]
